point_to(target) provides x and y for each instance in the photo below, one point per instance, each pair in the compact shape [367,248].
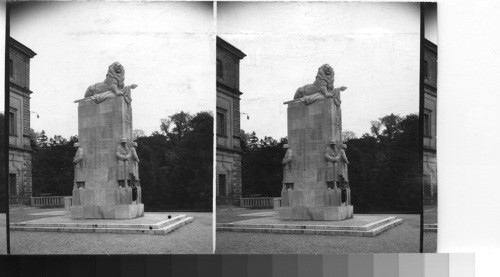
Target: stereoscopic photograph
[111,127]
[318,128]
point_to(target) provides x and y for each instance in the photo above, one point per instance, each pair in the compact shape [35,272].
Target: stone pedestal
[310,129]
[100,129]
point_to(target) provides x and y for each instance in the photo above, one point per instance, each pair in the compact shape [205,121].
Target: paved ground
[403,238]
[430,242]
[430,238]
[194,238]
[430,214]
[3,234]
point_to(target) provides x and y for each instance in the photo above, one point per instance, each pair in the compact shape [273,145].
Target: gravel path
[194,238]
[403,238]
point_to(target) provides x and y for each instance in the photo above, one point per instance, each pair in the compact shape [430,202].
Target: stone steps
[159,228]
[169,228]
[368,230]
[315,226]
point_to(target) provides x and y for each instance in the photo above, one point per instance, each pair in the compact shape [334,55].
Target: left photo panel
[110,122]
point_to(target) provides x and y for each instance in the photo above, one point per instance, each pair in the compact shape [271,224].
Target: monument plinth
[103,183]
[315,171]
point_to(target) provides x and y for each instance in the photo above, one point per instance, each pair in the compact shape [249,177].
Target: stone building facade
[20,153]
[228,168]
[429,128]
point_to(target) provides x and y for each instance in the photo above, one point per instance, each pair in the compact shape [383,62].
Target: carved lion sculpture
[323,84]
[114,81]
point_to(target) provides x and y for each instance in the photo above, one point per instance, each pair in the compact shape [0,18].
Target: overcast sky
[373,48]
[168,49]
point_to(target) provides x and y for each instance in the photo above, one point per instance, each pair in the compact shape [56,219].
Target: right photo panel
[429,132]
[319,129]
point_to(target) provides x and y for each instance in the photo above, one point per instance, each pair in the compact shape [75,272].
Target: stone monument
[105,186]
[316,185]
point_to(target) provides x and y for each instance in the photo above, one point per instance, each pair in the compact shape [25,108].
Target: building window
[220,68]
[12,184]
[427,124]
[426,70]
[221,123]
[222,185]
[11,68]
[12,123]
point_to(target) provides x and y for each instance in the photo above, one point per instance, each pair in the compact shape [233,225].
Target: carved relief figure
[342,165]
[321,88]
[287,168]
[123,156]
[134,184]
[112,85]
[332,159]
[78,164]
[134,161]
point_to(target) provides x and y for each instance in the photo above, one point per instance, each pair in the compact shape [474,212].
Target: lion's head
[116,68]
[116,72]
[326,71]
[326,75]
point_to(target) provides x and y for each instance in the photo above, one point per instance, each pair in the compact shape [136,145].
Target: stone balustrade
[47,201]
[257,202]
[277,203]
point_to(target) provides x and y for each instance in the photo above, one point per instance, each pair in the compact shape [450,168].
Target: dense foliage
[261,165]
[384,169]
[175,166]
[52,164]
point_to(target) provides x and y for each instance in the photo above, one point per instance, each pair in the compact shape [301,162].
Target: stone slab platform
[150,223]
[359,225]
[316,213]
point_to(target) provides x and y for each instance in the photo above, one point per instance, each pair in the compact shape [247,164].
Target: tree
[261,165]
[176,165]
[193,168]
[42,140]
[176,125]
[384,169]
[137,133]
[348,135]
[52,165]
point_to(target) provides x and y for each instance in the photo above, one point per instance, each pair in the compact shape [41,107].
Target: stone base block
[316,213]
[108,212]
[313,198]
[104,196]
